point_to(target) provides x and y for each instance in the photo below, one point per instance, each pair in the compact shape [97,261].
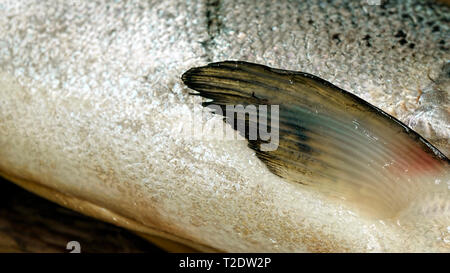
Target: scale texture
[91,101]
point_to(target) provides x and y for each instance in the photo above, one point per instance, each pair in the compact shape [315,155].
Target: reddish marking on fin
[418,161]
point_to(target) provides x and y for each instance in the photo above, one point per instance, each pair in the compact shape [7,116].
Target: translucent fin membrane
[329,139]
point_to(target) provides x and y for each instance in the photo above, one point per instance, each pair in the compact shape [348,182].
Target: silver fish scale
[98,81]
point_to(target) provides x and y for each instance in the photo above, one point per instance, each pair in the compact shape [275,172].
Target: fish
[95,116]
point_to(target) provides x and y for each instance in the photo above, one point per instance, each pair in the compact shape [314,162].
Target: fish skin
[87,110]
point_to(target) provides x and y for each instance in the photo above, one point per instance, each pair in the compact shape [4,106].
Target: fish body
[91,104]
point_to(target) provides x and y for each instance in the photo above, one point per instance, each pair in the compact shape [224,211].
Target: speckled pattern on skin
[88,96]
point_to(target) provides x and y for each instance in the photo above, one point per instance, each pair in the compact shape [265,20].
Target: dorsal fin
[329,139]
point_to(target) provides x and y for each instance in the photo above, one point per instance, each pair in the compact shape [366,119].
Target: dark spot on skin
[367,39]
[446,69]
[403,41]
[412,45]
[400,34]
[111,32]
[336,37]
[436,29]
[310,22]
[213,24]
